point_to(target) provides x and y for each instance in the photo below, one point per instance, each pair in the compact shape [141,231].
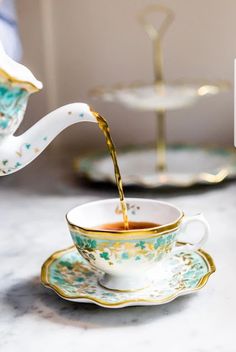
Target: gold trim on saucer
[202,282]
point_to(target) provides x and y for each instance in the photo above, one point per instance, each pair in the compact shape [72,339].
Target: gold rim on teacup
[127,234]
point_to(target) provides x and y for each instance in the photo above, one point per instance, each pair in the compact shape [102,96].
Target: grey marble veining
[33,318]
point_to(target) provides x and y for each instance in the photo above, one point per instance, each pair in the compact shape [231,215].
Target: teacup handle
[206,230]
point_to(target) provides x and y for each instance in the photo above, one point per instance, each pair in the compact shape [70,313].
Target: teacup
[128,257]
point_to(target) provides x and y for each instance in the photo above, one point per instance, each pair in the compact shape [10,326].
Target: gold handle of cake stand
[156,35]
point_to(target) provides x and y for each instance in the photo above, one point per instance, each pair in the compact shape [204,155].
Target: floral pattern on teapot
[16,84]
[13,102]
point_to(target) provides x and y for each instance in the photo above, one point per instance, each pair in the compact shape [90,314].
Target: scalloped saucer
[70,276]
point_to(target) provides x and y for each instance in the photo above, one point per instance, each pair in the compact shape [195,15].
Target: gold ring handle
[150,29]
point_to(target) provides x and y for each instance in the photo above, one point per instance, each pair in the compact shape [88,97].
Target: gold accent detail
[161,141]
[202,282]
[220,176]
[204,87]
[156,37]
[152,32]
[127,234]
[30,87]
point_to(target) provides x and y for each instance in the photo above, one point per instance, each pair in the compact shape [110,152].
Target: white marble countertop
[33,318]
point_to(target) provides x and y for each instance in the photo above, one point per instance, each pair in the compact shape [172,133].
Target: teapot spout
[17,152]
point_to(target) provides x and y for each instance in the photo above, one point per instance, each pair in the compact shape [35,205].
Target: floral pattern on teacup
[131,208]
[118,251]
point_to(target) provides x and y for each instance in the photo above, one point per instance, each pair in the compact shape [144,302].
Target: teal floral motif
[80,279]
[156,244]
[151,249]
[66,264]
[12,107]
[105,255]
[4,121]
[131,208]
[140,244]
[85,243]
[72,276]
[125,255]
[4,171]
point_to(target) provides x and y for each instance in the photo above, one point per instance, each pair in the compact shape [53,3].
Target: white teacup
[128,257]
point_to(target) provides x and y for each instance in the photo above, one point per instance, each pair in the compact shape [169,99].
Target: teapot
[16,84]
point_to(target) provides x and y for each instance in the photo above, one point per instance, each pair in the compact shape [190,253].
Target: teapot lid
[17,74]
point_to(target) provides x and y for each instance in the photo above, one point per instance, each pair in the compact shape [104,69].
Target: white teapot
[16,84]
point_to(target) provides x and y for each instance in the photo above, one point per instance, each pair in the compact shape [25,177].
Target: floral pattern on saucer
[72,278]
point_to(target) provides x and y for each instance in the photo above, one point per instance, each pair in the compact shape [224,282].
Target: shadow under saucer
[30,298]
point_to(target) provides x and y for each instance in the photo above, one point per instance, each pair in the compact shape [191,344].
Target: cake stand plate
[171,96]
[187,166]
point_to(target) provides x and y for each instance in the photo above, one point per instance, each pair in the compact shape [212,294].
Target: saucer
[187,166]
[71,277]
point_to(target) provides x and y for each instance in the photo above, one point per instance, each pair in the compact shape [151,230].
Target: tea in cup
[129,257]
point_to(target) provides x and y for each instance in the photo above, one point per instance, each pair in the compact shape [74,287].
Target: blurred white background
[75,45]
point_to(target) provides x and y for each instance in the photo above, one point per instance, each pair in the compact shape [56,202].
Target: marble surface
[33,318]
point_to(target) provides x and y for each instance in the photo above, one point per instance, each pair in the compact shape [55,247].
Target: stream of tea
[103,125]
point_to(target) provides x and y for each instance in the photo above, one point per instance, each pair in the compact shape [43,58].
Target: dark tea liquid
[133,225]
[102,123]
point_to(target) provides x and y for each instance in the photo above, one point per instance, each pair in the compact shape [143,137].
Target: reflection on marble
[33,318]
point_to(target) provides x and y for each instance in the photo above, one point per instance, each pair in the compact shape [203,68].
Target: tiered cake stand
[162,165]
